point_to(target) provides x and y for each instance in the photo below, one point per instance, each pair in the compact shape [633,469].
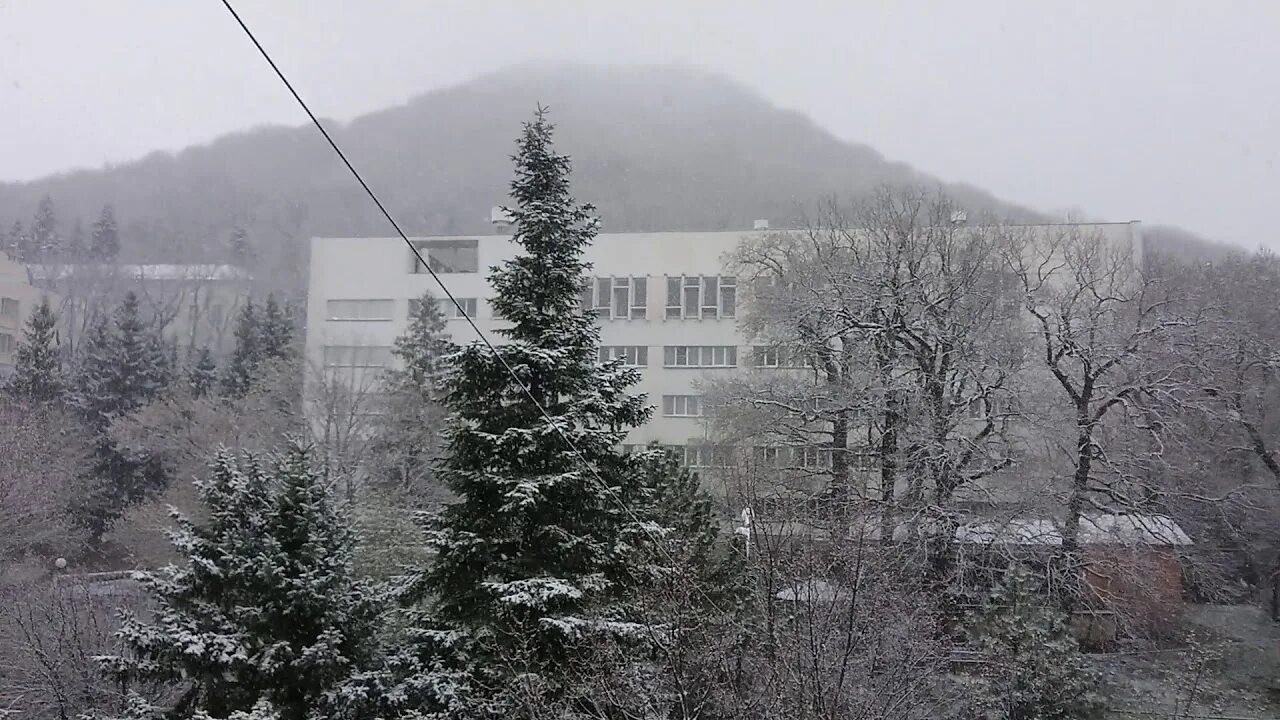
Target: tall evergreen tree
[76,247]
[13,241]
[408,432]
[38,365]
[123,365]
[277,330]
[535,558]
[45,241]
[202,376]
[261,336]
[265,612]
[104,244]
[244,359]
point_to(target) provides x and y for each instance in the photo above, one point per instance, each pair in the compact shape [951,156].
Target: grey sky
[1161,111]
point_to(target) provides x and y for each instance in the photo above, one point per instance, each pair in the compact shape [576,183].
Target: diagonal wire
[484,338]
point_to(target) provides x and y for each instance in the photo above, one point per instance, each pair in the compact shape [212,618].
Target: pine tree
[535,558]
[104,244]
[38,365]
[202,376]
[19,244]
[245,357]
[265,612]
[261,337]
[123,365]
[241,249]
[1037,671]
[408,432]
[45,242]
[277,331]
[14,242]
[76,248]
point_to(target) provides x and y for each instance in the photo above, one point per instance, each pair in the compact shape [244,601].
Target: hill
[655,148]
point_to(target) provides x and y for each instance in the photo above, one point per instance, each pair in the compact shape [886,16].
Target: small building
[18,298]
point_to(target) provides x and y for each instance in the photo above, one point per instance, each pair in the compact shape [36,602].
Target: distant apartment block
[665,302]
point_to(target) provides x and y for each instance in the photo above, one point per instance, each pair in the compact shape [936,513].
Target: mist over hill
[655,148]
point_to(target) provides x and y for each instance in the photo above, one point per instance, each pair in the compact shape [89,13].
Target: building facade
[666,302]
[18,298]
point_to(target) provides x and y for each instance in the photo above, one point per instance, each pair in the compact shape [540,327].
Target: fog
[1164,112]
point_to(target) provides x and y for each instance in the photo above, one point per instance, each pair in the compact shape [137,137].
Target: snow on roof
[1131,530]
[1100,529]
[1010,532]
[145,272]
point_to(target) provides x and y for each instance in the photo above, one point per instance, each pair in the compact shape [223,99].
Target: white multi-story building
[666,303]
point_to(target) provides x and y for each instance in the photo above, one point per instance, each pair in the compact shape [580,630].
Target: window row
[9,307]
[617,298]
[701,297]
[7,343]
[446,256]
[700,356]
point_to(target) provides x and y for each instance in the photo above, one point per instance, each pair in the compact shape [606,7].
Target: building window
[617,298]
[6,343]
[9,307]
[682,406]
[448,256]
[357,356]
[704,456]
[700,356]
[766,456]
[773,356]
[631,355]
[813,457]
[360,309]
[449,310]
[705,297]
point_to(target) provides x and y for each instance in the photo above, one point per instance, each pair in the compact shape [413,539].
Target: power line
[461,311]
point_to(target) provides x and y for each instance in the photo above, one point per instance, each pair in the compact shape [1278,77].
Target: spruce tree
[202,376]
[19,245]
[45,242]
[123,365]
[264,612]
[12,245]
[76,248]
[1036,670]
[104,244]
[243,362]
[38,365]
[407,433]
[261,337]
[277,331]
[535,558]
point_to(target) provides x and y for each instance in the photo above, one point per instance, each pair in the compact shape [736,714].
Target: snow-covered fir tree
[14,242]
[123,364]
[104,243]
[407,433]
[263,618]
[46,244]
[539,556]
[38,363]
[202,375]
[76,247]
[1036,669]
[261,336]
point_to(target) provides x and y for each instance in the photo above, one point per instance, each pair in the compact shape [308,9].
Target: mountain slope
[656,148]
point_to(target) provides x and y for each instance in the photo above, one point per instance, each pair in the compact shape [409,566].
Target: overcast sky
[1160,111]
